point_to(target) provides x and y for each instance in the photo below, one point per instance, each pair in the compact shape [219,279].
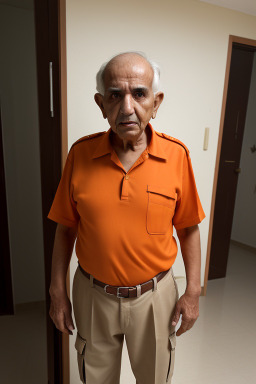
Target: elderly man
[120,194]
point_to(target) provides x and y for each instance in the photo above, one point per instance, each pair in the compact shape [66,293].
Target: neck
[134,144]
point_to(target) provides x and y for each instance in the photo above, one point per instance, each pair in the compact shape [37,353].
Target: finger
[182,329]
[59,321]
[69,322]
[185,326]
[62,321]
[176,316]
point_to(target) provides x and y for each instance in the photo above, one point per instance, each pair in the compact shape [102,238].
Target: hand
[188,306]
[60,312]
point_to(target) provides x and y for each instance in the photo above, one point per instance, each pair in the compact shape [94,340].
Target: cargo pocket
[80,346]
[172,345]
[160,210]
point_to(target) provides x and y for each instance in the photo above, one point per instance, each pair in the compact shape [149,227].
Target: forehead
[129,71]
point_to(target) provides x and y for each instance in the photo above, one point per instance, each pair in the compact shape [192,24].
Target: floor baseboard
[244,246]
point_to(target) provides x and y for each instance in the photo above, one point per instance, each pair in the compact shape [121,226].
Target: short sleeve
[188,210]
[63,209]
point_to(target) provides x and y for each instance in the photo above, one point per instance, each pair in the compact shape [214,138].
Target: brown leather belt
[126,292]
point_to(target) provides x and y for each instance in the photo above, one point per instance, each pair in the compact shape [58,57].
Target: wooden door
[47,21]
[234,122]
[47,27]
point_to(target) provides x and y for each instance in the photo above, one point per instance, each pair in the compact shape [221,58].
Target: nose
[127,107]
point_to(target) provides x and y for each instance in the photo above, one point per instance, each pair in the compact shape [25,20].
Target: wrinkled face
[128,102]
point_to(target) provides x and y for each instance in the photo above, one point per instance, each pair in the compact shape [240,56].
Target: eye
[139,94]
[115,95]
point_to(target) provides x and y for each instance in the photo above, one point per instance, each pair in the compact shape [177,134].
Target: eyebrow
[141,89]
[113,89]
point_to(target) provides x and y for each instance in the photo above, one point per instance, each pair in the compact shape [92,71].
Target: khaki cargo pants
[103,320]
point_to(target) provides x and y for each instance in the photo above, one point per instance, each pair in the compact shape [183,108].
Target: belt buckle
[118,293]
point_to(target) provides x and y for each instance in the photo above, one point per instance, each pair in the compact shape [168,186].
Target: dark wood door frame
[251,43]
[6,289]
[50,25]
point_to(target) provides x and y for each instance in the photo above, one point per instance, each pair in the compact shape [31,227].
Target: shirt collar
[155,147]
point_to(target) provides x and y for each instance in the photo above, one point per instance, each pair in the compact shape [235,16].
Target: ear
[99,101]
[158,98]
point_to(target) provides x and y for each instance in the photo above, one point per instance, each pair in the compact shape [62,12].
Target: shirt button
[127,177]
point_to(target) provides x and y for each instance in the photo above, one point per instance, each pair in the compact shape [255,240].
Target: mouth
[128,123]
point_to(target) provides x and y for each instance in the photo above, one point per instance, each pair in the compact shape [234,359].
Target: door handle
[51,89]
[238,170]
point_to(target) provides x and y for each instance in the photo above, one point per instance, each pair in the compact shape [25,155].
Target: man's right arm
[60,309]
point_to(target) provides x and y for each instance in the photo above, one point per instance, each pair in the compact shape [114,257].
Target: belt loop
[138,290]
[155,283]
[91,281]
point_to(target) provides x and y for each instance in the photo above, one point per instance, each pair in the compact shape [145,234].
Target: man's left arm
[188,304]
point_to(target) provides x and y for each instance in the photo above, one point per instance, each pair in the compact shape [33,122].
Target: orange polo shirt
[125,219]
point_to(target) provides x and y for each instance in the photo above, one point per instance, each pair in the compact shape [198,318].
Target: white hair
[156,79]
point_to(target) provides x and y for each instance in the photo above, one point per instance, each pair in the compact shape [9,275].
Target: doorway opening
[232,169]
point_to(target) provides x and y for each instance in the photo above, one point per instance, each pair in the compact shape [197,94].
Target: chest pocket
[160,209]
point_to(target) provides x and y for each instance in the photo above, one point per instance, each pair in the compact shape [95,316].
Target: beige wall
[189,39]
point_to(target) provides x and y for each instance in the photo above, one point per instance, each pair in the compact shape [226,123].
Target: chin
[125,130]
